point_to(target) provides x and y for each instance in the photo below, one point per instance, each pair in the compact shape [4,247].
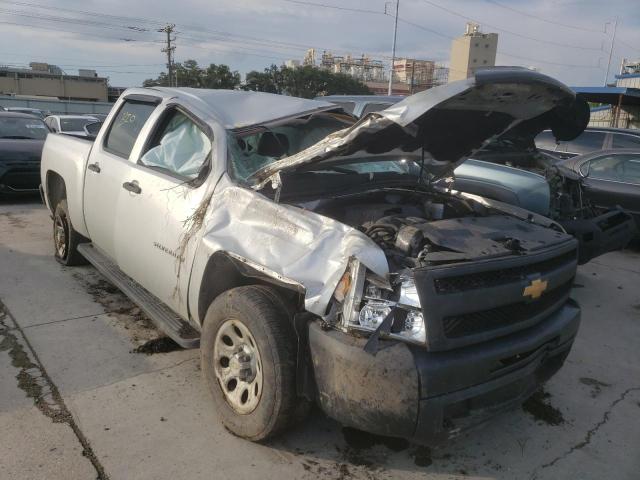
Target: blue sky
[118,38]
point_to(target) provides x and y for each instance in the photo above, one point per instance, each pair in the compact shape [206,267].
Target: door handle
[132,187]
[94,167]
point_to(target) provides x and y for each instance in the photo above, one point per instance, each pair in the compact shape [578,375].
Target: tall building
[418,74]
[472,50]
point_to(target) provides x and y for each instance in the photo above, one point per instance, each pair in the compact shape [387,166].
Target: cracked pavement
[76,401]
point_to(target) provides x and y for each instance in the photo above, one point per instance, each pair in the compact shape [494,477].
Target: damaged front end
[473,315]
[433,310]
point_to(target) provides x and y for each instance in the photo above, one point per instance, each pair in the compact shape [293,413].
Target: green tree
[190,74]
[306,82]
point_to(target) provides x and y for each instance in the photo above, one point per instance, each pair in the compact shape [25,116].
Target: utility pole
[613,41]
[393,51]
[169,49]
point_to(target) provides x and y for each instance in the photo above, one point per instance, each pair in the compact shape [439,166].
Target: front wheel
[248,359]
[65,238]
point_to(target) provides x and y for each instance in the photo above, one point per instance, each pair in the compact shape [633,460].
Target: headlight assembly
[367,303]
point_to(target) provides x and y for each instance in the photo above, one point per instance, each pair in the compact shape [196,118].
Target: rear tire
[248,359]
[65,238]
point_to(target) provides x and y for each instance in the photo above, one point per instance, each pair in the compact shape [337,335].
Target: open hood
[453,121]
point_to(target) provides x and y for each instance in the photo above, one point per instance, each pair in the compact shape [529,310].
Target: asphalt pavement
[83,396]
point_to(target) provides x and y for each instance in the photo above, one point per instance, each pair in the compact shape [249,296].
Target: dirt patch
[636,307]
[360,440]
[34,381]
[539,407]
[360,447]
[596,385]
[157,345]
[422,456]
[126,314]
[14,221]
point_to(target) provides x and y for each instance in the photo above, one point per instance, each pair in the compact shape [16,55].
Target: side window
[587,142]
[621,140]
[374,107]
[126,126]
[619,168]
[179,147]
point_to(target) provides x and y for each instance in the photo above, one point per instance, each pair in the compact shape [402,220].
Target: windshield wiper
[18,137]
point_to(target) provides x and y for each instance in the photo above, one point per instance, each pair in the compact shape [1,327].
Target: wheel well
[224,272]
[56,189]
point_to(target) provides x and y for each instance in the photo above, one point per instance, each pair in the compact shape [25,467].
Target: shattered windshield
[253,148]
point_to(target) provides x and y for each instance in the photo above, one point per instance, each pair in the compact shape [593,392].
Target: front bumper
[605,233]
[406,391]
[19,177]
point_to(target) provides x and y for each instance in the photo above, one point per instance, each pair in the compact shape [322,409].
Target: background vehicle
[610,178]
[91,129]
[593,139]
[98,116]
[313,289]
[69,124]
[360,105]
[600,226]
[22,137]
[31,111]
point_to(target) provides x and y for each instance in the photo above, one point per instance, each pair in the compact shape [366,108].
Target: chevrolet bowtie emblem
[536,288]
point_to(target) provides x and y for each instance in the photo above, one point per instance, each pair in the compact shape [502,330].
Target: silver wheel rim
[60,236]
[238,366]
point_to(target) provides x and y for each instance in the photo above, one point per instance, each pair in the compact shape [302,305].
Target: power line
[552,22]
[509,32]
[336,7]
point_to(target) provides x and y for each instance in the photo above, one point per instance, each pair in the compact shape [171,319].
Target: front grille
[457,326]
[492,278]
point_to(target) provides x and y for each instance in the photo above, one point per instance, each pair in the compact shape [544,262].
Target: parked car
[360,105]
[91,129]
[592,140]
[609,178]
[69,124]
[101,117]
[22,137]
[298,248]
[30,111]
[600,227]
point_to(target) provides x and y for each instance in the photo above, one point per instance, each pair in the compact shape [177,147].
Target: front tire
[65,238]
[248,359]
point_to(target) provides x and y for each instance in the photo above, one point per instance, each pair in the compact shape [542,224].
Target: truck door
[155,243]
[107,170]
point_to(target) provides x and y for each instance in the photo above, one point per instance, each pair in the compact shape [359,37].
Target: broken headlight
[369,301]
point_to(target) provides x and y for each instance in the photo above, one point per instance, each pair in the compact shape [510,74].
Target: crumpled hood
[453,121]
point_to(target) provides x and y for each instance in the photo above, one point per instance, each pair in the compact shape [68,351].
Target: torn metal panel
[298,245]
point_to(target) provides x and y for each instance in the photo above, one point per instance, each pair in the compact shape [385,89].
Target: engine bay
[417,229]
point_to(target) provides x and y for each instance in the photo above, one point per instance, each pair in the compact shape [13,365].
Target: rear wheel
[65,238]
[248,360]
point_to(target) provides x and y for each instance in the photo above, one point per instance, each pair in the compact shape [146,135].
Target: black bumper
[406,391]
[19,177]
[605,233]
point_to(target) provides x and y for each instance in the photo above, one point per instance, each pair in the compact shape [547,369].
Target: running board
[162,316]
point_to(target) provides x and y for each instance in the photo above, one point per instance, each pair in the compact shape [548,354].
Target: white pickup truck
[312,257]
